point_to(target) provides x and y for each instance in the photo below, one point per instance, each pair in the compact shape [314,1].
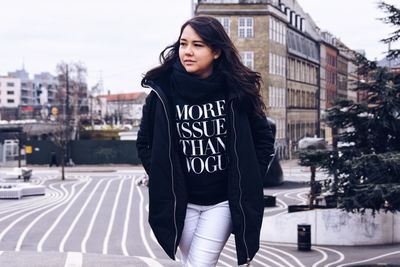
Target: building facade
[10,97]
[277,39]
[36,98]
[26,86]
[119,108]
[45,89]
[10,92]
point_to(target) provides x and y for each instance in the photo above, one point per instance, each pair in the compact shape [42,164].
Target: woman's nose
[189,50]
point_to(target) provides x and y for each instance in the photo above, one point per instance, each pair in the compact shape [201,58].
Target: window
[292,69]
[284,34]
[277,65]
[293,18]
[226,22]
[280,128]
[271,27]
[245,29]
[277,31]
[248,59]
[10,84]
[276,97]
[10,92]
[10,100]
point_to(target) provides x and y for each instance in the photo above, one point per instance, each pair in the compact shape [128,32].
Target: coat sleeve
[144,136]
[264,140]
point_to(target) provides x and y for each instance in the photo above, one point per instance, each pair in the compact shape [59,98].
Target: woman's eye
[182,44]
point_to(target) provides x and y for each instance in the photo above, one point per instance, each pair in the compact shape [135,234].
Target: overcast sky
[119,40]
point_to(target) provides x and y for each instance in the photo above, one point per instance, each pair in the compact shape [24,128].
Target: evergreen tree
[393,18]
[365,164]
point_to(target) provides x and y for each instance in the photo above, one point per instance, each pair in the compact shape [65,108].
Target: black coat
[250,146]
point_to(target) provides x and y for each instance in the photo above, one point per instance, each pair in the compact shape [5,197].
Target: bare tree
[73,93]
[72,98]
[95,90]
[61,138]
[118,111]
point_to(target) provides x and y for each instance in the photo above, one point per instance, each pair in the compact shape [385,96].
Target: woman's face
[196,57]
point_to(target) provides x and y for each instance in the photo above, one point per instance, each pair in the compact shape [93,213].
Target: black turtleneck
[200,117]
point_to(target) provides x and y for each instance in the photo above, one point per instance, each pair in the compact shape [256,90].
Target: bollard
[304,237]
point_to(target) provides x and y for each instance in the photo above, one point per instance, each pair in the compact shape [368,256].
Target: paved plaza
[98,217]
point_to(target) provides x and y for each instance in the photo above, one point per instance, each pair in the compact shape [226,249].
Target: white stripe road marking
[24,210]
[1,253]
[53,206]
[324,258]
[141,171]
[153,237]
[21,218]
[112,219]
[74,259]
[286,263]
[28,202]
[127,217]
[254,260]
[62,214]
[224,263]
[99,204]
[341,256]
[300,197]
[141,226]
[223,254]
[297,191]
[285,253]
[150,262]
[370,259]
[78,216]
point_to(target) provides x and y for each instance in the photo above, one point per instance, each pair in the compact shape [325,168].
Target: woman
[205,142]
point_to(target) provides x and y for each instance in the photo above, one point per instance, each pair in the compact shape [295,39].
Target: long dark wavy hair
[245,82]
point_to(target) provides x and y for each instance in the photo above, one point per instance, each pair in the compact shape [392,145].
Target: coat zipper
[240,182]
[172,166]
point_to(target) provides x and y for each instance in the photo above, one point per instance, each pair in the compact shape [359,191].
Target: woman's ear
[217,53]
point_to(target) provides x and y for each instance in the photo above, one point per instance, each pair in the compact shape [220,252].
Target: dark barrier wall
[86,152]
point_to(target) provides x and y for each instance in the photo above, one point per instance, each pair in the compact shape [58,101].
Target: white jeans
[206,230]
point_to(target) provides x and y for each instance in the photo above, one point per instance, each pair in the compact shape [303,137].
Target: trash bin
[304,237]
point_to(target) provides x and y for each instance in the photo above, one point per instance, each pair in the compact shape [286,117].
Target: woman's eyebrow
[194,41]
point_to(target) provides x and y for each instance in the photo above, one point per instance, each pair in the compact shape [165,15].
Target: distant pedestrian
[205,143]
[53,159]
